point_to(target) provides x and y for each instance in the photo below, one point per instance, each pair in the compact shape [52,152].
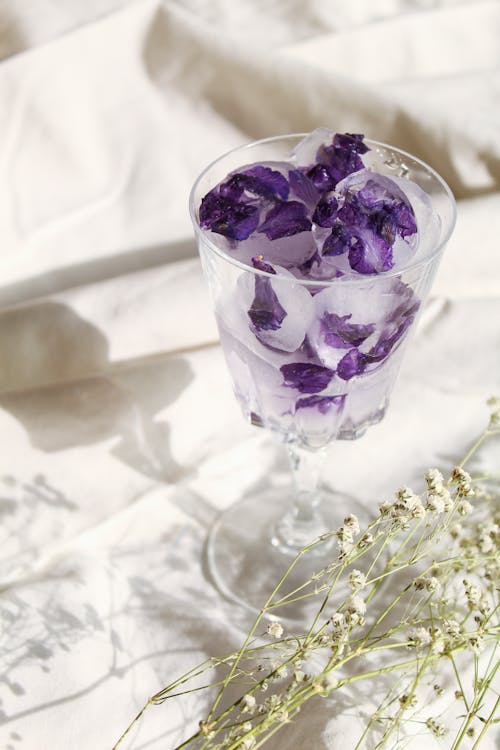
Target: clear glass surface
[251,544]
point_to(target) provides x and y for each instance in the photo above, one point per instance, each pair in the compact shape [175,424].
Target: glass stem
[303,523]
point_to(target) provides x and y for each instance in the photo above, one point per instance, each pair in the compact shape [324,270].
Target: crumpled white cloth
[120,439]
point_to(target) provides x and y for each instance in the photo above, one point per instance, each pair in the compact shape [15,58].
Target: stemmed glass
[355,327]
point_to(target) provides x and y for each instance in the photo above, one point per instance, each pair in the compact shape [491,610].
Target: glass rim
[363,279]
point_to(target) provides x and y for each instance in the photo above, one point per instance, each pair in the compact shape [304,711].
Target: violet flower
[306,378]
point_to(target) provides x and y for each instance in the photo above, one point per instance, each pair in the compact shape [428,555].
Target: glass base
[249,550]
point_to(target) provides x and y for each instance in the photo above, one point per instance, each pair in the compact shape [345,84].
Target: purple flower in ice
[261,265]
[396,327]
[342,157]
[370,256]
[340,334]
[324,404]
[353,363]
[351,141]
[256,182]
[320,176]
[285,220]
[338,241]
[303,187]
[226,216]
[376,217]
[325,212]
[306,378]
[266,313]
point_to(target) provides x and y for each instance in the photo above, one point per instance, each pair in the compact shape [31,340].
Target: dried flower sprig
[440,550]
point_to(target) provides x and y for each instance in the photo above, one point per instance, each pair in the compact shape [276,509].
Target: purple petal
[261,265]
[350,141]
[255,182]
[339,162]
[266,312]
[325,212]
[306,378]
[390,338]
[225,216]
[321,178]
[285,220]
[323,403]
[303,187]
[338,242]
[308,264]
[370,257]
[353,363]
[273,180]
[340,334]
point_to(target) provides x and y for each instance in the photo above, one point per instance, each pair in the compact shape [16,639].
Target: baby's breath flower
[366,540]
[472,593]
[434,479]
[419,637]
[439,730]
[464,507]
[344,534]
[338,622]
[248,703]
[351,522]
[275,629]
[345,548]
[451,627]
[475,642]
[435,503]
[245,727]
[463,481]
[428,584]
[385,508]
[408,700]
[418,510]
[456,530]
[356,605]
[357,580]
[299,676]
[272,702]
[282,716]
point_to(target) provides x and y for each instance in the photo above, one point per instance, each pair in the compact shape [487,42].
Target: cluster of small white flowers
[366,540]
[275,629]
[463,480]
[488,538]
[452,628]
[418,637]
[351,522]
[439,642]
[406,506]
[428,584]
[439,499]
[472,594]
[355,609]
[248,704]
[437,729]
[475,642]
[464,507]
[357,580]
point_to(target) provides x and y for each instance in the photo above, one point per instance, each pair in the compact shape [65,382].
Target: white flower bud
[275,629]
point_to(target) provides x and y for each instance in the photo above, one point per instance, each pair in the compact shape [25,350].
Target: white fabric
[120,438]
